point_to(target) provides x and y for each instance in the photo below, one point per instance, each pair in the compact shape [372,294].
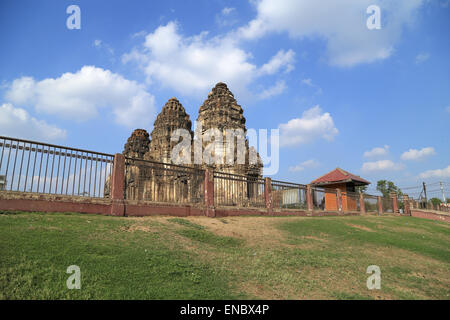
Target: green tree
[435,201]
[386,187]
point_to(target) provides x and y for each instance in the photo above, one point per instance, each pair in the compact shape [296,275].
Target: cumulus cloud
[438,173]
[304,165]
[85,94]
[191,65]
[341,24]
[282,60]
[314,124]
[414,154]
[276,89]
[17,123]
[381,165]
[377,152]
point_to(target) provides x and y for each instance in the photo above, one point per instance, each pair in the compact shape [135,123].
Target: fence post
[209,193]
[380,205]
[339,199]
[309,198]
[393,195]
[362,205]
[268,195]
[117,185]
[406,205]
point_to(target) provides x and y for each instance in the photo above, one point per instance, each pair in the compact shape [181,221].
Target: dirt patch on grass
[360,227]
[256,231]
[136,227]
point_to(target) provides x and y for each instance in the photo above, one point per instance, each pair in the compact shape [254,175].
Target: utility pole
[443,193]
[425,192]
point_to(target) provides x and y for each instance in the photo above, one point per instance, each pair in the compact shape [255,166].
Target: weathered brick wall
[430,215]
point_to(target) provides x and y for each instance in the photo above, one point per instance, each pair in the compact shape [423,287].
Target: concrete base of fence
[22,201]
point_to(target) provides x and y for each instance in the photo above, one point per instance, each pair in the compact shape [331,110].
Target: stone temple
[149,179]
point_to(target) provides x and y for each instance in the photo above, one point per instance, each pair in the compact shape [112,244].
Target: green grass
[227,258]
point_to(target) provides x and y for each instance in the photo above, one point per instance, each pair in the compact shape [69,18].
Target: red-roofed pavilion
[345,182]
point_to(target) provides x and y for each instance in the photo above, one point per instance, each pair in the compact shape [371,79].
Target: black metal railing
[238,190]
[163,182]
[370,203]
[30,166]
[288,195]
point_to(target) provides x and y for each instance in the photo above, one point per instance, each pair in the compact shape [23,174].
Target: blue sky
[373,102]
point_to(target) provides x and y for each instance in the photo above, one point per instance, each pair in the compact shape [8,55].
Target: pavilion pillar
[309,198]
[339,199]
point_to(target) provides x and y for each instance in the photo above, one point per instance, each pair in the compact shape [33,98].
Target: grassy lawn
[226,258]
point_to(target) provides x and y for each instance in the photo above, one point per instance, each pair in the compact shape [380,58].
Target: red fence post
[339,199]
[393,195]
[362,205]
[406,205]
[309,198]
[380,205]
[268,195]
[117,185]
[209,193]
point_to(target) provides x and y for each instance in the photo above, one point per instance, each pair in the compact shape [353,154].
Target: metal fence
[288,195]
[351,201]
[238,190]
[30,166]
[370,203]
[387,204]
[163,182]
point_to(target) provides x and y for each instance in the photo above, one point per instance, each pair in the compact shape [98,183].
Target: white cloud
[17,123]
[447,109]
[191,65]
[422,57]
[342,24]
[304,165]
[86,94]
[381,165]
[414,154]
[227,17]
[99,44]
[227,11]
[308,82]
[377,152]
[311,126]
[438,173]
[281,60]
[276,89]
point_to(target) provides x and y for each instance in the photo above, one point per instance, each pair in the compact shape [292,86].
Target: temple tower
[173,116]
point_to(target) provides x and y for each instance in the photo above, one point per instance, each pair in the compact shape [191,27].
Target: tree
[435,201]
[386,187]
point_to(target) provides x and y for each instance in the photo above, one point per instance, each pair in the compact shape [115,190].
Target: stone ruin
[149,175]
